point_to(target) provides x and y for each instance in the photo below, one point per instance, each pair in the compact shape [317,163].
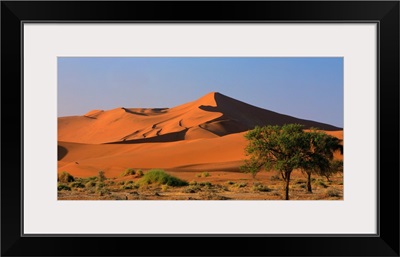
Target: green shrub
[203,175]
[192,189]
[61,187]
[77,185]
[321,183]
[261,188]
[156,176]
[101,176]
[128,186]
[111,183]
[93,178]
[205,184]
[241,185]
[128,172]
[85,181]
[100,185]
[90,184]
[65,177]
[193,183]
[333,192]
[139,173]
[103,191]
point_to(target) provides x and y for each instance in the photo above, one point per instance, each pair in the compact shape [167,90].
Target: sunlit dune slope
[212,116]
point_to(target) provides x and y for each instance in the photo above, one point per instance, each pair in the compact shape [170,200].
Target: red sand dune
[206,134]
[211,116]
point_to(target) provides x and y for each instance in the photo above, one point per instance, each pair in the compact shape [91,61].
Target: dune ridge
[213,115]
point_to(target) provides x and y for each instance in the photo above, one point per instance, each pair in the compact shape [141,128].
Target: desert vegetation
[157,184]
[289,147]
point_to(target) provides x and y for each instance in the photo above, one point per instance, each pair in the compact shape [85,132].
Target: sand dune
[203,135]
[222,153]
[212,115]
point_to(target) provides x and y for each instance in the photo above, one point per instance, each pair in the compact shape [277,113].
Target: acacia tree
[288,147]
[319,159]
[277,148]
[334,167]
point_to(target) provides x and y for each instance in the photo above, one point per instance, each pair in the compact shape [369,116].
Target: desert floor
[213,186]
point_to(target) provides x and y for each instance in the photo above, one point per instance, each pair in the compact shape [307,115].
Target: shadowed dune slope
[213,115]
[220,153]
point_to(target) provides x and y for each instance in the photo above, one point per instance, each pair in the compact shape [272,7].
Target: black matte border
[386,14]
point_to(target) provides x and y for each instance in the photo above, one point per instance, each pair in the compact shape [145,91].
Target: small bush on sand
[192,189]
[212,196]
[261,188]
[230,183]
[239,185]
[90,184]
[333,192]
[139,173]
[77,185]
[61,187]
[111,183]
[129,186]
[205,184]
[102,189]
[203,175]
[100,185]
[65,177]
[126,187]
[101,177]
[156,176]
[128,172]
[320,183]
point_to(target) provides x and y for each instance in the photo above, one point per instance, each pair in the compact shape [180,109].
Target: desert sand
[203,135]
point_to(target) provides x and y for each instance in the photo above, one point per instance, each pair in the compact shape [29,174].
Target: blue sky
[307,88]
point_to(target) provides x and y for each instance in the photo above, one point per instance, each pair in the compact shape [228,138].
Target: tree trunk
[327,178]
[309,189]
[287,175]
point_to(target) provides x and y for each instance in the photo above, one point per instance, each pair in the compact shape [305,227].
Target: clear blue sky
[307,88]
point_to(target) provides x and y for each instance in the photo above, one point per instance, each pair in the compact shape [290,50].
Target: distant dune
[213,115]
[206,134]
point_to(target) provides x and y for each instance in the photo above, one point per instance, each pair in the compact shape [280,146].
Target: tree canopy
[288,147]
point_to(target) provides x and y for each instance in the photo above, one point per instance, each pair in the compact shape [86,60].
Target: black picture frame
[383,13]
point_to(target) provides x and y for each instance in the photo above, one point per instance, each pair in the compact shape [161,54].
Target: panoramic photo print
[200,128]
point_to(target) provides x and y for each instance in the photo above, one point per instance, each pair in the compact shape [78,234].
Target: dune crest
[212,115]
